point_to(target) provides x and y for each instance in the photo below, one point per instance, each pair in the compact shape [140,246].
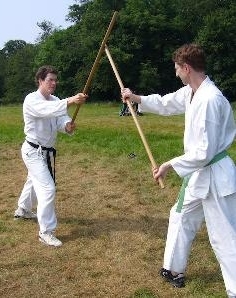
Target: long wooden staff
[160,181]
[96,62]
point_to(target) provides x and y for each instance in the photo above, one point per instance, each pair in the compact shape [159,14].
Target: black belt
[50,149]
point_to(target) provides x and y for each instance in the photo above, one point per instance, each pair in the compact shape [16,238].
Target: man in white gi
[209,188]
[44,115]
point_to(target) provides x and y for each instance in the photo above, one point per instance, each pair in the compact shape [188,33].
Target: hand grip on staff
[96,62]
[154,165]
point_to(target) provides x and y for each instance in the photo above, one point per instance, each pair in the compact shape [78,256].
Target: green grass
[143,293]
[112,216]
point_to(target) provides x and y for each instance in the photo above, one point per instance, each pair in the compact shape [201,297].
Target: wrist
[70,101]
[136,98]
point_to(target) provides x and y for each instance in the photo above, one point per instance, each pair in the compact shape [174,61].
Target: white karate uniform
[211,191]
[43,119]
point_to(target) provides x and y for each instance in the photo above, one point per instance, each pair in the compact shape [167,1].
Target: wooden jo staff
[96,62]
[154,165]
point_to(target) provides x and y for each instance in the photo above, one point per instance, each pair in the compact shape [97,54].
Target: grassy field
[112,216]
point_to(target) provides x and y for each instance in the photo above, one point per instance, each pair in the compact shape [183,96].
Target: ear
[187,67]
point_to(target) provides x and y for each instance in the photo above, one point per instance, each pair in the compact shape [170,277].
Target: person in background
[124,109]
[44,115]
[209,187]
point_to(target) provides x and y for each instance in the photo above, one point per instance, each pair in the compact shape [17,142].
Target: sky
[19,18]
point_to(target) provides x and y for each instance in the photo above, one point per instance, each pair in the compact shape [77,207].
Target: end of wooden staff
[160,179]
[154,166]
[161,183]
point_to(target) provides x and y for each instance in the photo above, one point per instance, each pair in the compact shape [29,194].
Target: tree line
[141,43]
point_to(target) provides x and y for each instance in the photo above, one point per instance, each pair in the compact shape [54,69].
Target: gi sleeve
[61,123]
[169,104]
[37,107]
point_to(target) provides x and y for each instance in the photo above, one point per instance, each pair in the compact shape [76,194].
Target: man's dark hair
[191,54]
[43,71]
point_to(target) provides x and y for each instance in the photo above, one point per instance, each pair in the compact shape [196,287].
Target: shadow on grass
[94,228]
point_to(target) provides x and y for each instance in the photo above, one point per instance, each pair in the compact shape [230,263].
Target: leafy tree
[77,11]
[74,55]
[141,43]
[47,28]
[2,73]
[218,36]
[148,32]
[12,46]
[190,14]
[19,74]
[93,27]
[65,46]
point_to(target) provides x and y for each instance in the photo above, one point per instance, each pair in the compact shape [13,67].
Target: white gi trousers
[38,186]
[220,218]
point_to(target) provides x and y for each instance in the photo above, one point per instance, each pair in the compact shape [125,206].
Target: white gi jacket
[43,118]
[209,129]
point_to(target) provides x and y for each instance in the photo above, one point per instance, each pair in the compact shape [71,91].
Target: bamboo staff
[96,62]
[154,165]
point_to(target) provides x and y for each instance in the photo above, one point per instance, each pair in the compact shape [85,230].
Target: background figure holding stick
[44,115]
[209,131]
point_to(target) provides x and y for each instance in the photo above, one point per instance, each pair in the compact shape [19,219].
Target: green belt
[218,157]
[180,199]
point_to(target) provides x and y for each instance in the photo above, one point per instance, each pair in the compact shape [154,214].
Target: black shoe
[177,281]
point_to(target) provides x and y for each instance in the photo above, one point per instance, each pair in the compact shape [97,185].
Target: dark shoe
[177,281]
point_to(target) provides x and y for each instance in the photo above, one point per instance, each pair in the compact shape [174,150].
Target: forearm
[70,101]
[135,98]
[79,98]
